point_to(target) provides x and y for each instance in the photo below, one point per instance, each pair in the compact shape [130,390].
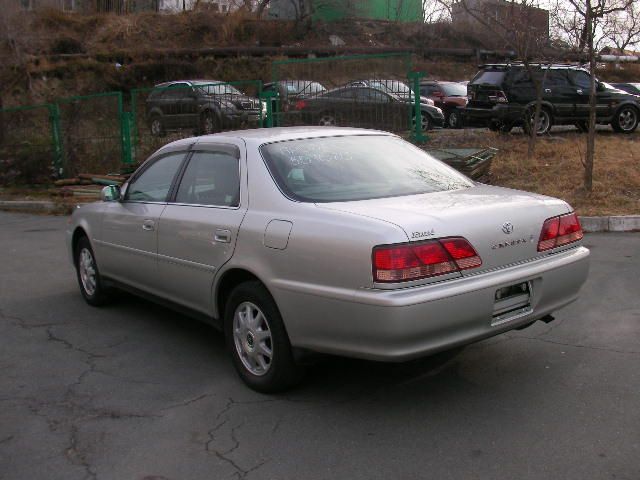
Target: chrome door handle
[579,91]
[547,90]
[148,225]
[222,236]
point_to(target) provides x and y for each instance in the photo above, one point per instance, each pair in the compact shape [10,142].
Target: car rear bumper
[398,325]
[502,113]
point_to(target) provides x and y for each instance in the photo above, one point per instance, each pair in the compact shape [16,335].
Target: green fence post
[56,139]
[134,118]
[414,81]
[128,150]
[267,96]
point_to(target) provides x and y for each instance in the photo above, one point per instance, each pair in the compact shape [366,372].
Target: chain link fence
[91,133]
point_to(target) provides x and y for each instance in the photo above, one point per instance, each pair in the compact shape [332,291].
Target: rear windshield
[454,89]
[338,169]
[492,77]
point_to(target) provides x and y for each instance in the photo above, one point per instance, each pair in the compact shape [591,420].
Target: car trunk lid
[502,225]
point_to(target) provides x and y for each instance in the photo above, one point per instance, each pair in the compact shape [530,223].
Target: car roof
[258,136]
[521,65]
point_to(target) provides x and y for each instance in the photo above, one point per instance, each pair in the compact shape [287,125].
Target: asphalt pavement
[137,392]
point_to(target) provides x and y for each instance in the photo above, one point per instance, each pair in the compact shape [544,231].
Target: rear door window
[211,178]
[491,77]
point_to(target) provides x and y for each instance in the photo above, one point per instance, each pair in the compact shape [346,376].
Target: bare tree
[582,21]
[623,28]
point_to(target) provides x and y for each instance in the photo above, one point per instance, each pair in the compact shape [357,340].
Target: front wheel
[625,119]
[91,285]
[257,340]
[425,120]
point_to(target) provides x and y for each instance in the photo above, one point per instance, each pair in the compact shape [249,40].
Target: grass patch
[556,168]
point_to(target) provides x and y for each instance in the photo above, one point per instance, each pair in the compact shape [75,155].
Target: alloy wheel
[627,119]
[87,269]
[252,338]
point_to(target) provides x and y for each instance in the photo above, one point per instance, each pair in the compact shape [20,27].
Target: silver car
[345,241]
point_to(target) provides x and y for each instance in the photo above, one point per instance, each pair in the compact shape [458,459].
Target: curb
[35,206]
[621,223]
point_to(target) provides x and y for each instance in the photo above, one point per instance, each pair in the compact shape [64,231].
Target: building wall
[332,10]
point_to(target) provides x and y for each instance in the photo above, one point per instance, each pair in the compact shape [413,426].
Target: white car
[345,241]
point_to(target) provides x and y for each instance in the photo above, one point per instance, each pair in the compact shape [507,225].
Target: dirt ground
[556,168]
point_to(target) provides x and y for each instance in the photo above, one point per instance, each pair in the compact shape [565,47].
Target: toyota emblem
[507,227]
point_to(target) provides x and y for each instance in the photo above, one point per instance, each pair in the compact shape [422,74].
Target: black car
[502,96]
[205,106]
[628,87]
[365,107]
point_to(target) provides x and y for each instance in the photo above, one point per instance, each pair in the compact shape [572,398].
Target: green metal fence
[102,133]
[92,133]
[178,110]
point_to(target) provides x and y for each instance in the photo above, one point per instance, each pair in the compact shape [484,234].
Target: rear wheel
[327,120]
[208,123]
[454,120]
[156,126]
[257,340]
[625,119]
[91,285]
[544,121]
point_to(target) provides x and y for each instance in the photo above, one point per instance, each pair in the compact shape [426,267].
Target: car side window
[428,90]
[582,80]
[179,90]
[556,78]
[211,178]
[154,183]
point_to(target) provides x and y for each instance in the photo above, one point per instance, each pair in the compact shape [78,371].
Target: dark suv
[205,106]
[502,96]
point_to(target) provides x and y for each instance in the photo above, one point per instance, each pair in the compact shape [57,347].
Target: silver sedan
[345,241]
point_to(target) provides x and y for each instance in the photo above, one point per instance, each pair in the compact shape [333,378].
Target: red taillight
[558,231]
[300,104]
[462,252]
[402,263]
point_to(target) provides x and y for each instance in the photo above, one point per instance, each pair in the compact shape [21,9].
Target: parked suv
[449,96]
[502,96]
[205,106]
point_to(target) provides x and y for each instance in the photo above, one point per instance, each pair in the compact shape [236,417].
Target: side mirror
[600,87]
[110,193]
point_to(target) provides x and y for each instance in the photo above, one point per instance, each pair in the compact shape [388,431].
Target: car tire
[545,121]
[208,123]
[625,120]
[91,284]
[453,119]
[326,120]
[257,340]
[426,122]
[156,126]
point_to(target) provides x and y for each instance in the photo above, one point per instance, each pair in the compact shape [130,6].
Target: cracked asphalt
[135,391]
